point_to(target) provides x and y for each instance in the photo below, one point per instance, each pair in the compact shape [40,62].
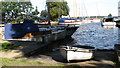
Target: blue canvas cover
[75,20]
[61,20]
[14,31]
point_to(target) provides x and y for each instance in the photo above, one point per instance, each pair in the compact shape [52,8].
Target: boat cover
[62,20]
[14,31]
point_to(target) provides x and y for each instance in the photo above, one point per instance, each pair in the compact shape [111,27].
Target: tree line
[11,11]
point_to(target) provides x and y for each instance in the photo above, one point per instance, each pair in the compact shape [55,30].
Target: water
[93,34]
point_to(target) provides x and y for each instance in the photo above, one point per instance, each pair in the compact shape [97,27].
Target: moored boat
[71,30]
[70,21]
[76,52]
[108,21]
[34,32]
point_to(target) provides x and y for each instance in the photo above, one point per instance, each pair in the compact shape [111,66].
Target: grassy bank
[14,62]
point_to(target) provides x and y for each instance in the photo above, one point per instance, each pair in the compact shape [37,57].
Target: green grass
[14,62]
[6,46]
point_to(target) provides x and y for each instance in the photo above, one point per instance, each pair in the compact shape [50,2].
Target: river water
[93,34]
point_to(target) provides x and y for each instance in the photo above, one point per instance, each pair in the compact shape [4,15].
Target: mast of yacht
[76,7]
[98,11]
[73,8]
[48,12]
[79,12]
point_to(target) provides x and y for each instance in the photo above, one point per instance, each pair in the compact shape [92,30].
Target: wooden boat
[76,52]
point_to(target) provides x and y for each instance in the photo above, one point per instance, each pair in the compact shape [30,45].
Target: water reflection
[93,34]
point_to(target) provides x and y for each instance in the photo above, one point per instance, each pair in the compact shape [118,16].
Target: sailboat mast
[48,12]
[73,8]
[76,7]
[79,12]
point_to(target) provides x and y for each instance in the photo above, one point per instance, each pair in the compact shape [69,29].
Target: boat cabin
[108,19]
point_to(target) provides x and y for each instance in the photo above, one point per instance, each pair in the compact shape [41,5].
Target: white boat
[76,52]
[108,21]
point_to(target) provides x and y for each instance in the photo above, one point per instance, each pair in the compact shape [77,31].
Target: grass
[6,46]
[14,62]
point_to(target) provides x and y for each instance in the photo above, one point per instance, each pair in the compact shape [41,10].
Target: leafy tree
[36,12]
[43,13]
[11,11]
[57,9]
[110,15]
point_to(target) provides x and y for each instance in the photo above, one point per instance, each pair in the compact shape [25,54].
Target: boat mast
[73,8]
[98,10]
[48,13]
[76,7]
[79,12]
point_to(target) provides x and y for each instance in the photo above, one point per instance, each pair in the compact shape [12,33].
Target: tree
[110,15]
[43,13]
[11,11]
[57,9]
[36,12]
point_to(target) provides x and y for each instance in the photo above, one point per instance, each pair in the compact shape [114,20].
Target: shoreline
[102,58]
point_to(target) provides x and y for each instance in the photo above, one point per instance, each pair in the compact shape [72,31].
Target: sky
[85,7]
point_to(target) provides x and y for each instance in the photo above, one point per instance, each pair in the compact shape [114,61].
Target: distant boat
[70,21]
[93,20]
[77,52]
[108,21]
[67,20]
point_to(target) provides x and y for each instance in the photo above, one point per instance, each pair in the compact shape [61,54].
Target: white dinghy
[77,52]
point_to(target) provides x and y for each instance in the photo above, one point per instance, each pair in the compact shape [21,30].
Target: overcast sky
[86,7]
